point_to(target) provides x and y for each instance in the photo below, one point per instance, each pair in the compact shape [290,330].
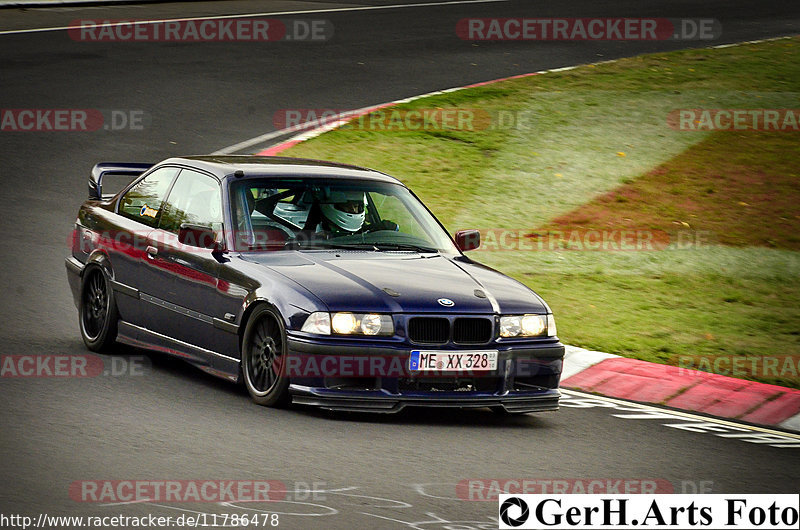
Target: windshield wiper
[403,246]
[323,245]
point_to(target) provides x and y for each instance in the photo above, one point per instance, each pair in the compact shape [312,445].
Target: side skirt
[209,361]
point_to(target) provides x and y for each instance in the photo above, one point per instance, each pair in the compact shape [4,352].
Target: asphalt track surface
[171,421]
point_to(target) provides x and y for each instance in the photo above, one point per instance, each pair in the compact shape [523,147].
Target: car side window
[143,201]
[195,199]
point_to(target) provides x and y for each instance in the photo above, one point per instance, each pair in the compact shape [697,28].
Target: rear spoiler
[129,169]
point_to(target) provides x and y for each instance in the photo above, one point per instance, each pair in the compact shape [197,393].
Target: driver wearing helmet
[343,211]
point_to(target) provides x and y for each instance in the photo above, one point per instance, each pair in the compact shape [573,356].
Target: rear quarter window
[143,201]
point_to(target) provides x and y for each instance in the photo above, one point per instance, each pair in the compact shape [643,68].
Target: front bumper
[526,378]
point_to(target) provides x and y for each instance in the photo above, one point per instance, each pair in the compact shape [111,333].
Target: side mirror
[468,240]
[199,236]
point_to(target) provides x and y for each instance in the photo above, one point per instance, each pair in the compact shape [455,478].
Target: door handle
[151,251]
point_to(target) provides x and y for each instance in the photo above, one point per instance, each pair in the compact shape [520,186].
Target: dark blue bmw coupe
[309,282]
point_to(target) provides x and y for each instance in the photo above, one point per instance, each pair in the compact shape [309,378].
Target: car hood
[401,282]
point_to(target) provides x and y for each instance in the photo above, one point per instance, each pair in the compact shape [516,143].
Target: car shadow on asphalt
[451,417]
[445,416]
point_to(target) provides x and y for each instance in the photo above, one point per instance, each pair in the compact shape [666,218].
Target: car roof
[277,166]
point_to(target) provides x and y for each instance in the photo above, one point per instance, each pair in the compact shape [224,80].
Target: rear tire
[263,350]
[97,312]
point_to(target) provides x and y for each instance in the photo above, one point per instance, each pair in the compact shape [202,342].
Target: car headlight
[371,324]
[551,325]
[346,323]
[319,323]
[527,326]
[510,326]
[533,325]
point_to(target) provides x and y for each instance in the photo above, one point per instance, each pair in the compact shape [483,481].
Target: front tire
[97,311]
[263,352]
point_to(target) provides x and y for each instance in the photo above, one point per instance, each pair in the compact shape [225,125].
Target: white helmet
[345,209]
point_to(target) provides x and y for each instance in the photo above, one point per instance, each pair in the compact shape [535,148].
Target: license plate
[444,361]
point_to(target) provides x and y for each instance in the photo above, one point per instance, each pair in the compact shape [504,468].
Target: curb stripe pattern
[343,118]
[687,389]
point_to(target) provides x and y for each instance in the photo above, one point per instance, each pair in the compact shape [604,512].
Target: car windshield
[313,213]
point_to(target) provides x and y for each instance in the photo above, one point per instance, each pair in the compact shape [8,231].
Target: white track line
[316,127]
[250,15]
[289,130]
[680,414]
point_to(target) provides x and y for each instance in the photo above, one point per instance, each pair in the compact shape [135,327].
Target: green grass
[586,132]
[576,123]
[736,188]
[658,306]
